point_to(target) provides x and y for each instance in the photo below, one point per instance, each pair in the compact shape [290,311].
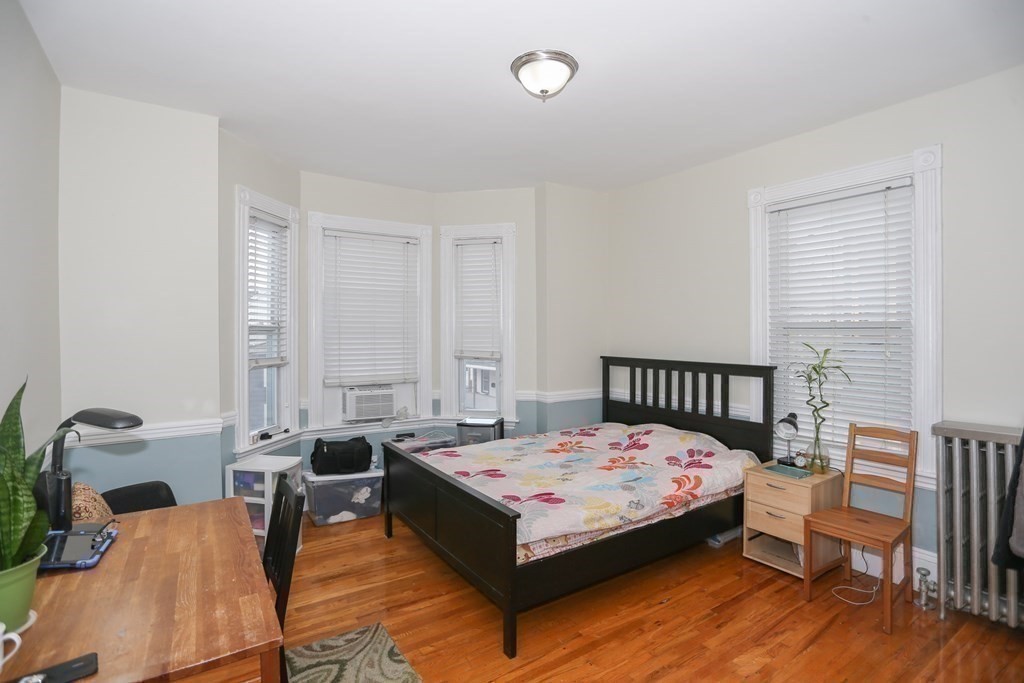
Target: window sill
[260,447]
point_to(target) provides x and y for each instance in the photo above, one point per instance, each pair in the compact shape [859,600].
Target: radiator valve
[926,588]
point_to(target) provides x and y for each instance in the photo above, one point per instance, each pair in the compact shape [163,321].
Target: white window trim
[506,232]
[245,201]
[925,166]
[320,222]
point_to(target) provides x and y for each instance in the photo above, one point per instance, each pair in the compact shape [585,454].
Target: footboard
[472,533]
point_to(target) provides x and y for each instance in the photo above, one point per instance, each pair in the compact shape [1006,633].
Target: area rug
[366,655]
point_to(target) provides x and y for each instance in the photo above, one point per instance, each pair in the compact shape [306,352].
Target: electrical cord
[873,592]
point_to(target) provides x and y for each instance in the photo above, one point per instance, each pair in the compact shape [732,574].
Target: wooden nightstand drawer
[781,523]
[777,492]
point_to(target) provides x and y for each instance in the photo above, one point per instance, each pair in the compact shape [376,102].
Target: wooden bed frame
[476,535]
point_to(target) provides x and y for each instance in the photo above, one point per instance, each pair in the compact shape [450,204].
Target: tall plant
[816,376]
[23,525]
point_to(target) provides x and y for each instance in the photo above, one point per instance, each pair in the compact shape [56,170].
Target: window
[477,320]
[851,262]
[840,276]
[370,345]
[266,395]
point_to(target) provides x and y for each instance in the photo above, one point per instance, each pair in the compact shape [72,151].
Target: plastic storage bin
[480,430]
[428,442]
[334,498]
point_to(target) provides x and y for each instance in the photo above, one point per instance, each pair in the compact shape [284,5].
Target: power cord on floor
[872,591]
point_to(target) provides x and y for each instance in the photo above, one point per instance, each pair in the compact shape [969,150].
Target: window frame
[925,167]
[449,365]
[318,223]
[246,201]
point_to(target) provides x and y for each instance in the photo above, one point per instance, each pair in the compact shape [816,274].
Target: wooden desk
[180,592]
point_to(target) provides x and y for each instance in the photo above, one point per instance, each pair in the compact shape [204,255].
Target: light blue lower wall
[191,465]
[924,532]
[194,465]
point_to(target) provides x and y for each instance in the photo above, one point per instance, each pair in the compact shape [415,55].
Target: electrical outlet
[406,435]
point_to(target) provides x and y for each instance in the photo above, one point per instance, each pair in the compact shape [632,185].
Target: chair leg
[848,562]
[908,568]
[808,560]
[284,666]
[887,588]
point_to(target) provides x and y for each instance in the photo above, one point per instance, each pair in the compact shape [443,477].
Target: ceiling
[418,93]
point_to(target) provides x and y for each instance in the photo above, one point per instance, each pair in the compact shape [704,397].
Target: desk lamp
[787,429]
[58,480]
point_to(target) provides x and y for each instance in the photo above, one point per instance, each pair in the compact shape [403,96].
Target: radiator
[974,467]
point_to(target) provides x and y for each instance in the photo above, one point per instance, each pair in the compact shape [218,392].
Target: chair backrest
[282,542]
[906,462]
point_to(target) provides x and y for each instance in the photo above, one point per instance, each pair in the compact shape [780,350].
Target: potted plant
[816,376]
[23,525]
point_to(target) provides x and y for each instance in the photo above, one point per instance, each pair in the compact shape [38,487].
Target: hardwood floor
[703,614]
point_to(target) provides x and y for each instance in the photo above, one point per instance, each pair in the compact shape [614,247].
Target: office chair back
[149,495]
[907,462]
[282,542]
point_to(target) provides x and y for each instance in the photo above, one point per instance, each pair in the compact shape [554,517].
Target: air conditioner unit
[369,403]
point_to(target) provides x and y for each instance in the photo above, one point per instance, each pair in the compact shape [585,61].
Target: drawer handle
[775,486]
[772,514]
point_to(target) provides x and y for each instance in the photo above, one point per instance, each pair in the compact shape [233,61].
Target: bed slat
[725,396]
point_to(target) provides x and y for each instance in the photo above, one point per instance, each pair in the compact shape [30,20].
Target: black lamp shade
[787,428]
[106,418]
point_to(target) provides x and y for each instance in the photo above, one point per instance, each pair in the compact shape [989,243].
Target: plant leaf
[35,534]
[21,521]
[12,439]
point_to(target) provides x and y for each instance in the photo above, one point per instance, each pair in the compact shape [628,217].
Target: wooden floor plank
[704,614]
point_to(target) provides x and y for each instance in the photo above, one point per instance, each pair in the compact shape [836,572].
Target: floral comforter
[593,479]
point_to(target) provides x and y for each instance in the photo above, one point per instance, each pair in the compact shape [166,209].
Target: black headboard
[653,388]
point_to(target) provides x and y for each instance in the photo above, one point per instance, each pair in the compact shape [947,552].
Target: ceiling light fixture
[544,72]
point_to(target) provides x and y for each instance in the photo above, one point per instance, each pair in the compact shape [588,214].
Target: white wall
[138,258]
[247,165]
[29,134]
[574,278]
[679,247]
[488,207]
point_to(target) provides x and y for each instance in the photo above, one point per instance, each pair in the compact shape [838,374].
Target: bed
[477,535]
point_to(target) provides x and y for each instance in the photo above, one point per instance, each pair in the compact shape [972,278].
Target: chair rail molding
[91,436]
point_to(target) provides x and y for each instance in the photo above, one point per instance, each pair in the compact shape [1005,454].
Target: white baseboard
[921,558]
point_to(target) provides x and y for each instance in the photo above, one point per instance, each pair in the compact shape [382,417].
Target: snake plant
[23,525]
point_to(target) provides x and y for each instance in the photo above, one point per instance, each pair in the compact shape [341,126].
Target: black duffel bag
[341,457]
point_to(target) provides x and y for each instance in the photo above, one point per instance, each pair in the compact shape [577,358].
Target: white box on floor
[333,498]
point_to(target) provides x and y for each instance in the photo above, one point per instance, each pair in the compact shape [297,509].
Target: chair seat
[860,526]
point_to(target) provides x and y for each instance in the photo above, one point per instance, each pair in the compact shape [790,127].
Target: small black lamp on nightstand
[787,429]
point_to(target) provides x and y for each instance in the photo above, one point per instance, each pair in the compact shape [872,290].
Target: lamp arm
[57,454]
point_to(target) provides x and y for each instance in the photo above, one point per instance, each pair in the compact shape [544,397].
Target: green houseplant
[816,376]
[23,525]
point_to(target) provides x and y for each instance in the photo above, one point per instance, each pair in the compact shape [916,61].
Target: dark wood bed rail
[476,535]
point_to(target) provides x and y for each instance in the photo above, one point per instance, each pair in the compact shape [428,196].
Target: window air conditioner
[369,403]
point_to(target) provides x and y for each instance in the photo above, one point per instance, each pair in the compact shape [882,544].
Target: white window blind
[371,309]
[267,284]
[840,276]
[478,307]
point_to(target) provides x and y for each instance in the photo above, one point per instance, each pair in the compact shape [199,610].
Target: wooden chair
[279,550]
[873,529]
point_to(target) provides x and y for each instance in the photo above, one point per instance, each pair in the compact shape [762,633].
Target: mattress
[575,486]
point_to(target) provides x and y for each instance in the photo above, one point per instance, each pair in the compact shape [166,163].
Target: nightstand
[773,517]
